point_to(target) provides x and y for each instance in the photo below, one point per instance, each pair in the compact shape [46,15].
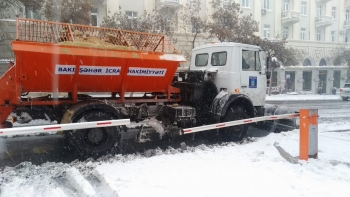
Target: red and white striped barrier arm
[238,122]
[61,127]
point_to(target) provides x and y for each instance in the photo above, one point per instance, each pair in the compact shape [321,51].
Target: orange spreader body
[36,62]
[44,65]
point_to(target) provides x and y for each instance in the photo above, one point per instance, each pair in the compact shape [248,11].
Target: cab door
[253,77]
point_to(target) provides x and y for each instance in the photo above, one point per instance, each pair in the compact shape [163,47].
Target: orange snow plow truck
[86,73]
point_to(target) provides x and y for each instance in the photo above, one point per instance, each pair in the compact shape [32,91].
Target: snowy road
[253,168]
[329,111]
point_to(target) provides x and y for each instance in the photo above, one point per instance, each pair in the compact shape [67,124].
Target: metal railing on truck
[55,32]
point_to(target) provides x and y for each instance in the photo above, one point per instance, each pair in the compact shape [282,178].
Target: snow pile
[253,168]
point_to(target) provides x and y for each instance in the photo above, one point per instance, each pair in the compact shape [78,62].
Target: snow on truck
[225,82]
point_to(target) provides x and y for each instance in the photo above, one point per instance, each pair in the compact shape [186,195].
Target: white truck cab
[237,68]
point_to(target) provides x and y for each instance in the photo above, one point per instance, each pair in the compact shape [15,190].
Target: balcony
[172,4]
[322,1]
[324,21]
[290,17]
[347,3]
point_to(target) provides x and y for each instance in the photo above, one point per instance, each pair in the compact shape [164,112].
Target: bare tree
[228,25]
[153,22]
[341,55]
[14,7]
[277,48]
[192,15]
[75,11]
[288,56]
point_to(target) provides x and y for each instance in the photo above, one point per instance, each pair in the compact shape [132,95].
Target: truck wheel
[235,133]
[94,142]
[345,98]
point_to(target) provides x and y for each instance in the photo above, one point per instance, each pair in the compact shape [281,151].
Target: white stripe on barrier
[238,122]
[61,127]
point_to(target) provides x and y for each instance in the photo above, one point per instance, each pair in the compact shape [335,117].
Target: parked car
[345,91]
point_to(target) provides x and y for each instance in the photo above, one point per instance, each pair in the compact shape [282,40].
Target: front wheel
[234,133]
[94,142]
[345,98]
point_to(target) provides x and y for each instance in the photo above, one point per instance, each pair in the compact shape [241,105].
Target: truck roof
[226,44]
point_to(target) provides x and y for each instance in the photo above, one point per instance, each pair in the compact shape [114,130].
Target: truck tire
[235,133]
[345,98]
[94,142]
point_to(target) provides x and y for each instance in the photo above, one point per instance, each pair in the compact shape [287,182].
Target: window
[322,62]
[266,31]
[333,36]
[303,8]
[319,10]
[131,14]
[318,35]
[201,59]
[285,5]
[285,32]
[219,58]
[347,15]
[334,12]
[245,3]
[267,4]
[302,34]
[307,62]
[251,61]
[94,16]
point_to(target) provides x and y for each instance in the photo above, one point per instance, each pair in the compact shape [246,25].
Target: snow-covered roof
[226,44]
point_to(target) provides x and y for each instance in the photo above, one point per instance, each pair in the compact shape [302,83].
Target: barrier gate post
[308,134]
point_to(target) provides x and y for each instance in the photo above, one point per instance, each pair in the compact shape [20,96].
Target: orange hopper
[60,57]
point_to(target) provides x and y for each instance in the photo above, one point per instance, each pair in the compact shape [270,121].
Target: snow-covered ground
[253,168]
[302,97]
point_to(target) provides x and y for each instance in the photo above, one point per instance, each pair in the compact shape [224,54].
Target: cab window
[251,60]
[202,59]
[219,58]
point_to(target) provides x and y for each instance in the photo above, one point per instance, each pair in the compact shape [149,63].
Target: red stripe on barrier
[220,125]
[103,123]
[186,131]
[51,128]
[1,132]
[273,117]
[248,121]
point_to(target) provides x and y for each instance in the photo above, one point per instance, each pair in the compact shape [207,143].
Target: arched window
[307,62]
[323,62]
